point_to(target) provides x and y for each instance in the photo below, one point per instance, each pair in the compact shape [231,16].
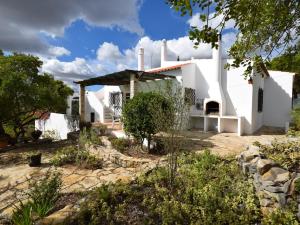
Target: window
[260,100]
[92,117]
[189,96]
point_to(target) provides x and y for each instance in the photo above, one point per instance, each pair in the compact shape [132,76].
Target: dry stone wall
[274,185]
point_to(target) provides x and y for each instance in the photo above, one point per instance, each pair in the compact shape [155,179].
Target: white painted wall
[238,95]
[61,124]
[93,104]
[277,98]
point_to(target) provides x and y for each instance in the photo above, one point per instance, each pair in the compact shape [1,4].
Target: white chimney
[163,53]
[141,65]
[215,91]
[217,60]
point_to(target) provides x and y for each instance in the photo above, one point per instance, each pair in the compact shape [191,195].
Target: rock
[264,202]
[277,175]
[280,198]
[250,154]
[274,189]
[263,165]
[292,186]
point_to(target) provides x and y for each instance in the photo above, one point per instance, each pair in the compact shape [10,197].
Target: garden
[97,178]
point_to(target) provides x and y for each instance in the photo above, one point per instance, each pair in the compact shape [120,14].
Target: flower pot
[3,142]
[250,81]
[35,160]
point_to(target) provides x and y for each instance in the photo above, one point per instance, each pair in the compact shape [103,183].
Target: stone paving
[14,179]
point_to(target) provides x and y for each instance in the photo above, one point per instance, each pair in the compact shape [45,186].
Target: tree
[25,94]
[140,116]
[264,28]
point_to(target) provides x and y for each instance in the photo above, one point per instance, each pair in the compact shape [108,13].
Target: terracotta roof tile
[168,68]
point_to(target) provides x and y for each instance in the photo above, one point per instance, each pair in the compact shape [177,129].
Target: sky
[78,39]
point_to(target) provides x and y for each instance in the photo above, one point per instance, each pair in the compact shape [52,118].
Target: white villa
[223,101]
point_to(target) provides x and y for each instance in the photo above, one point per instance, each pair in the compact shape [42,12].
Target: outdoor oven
[212,108]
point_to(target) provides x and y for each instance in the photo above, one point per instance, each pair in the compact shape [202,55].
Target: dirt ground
[226,144]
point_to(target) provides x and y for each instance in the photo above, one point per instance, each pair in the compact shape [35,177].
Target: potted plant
[3,141]
[36,135]
[250,80]
[34,158]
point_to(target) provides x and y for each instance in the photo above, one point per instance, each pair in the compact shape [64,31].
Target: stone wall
[274,185]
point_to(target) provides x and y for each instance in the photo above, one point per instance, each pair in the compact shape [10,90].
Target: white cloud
[58,51]
[111,59]
[213,22]
[21,24]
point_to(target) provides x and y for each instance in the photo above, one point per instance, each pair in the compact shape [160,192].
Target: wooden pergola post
[82,103]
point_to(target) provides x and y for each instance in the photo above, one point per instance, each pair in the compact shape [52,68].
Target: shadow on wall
[277,102]
[202,89]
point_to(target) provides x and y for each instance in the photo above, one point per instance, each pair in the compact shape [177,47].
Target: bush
[88,137]
[44,194]
[143,116]
[160,146]
[36,134]
[120,144]
[22,214]
[42,198]
[77,156]
[100,129]
[286,154]
[207,190]
[297,186]
[280,216]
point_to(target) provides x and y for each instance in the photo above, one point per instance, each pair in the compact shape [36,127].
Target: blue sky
[157,19]
[81,39]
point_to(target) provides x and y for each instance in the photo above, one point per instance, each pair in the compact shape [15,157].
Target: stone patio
[14,179]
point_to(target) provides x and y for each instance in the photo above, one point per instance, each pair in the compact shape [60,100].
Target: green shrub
[280,216]
[207,190]
[87,137]
[120,144]
[42,196]
[287,154]
[100,129]
[145,115]
[296,118]
[44,193]
[77,156]
[22,214]
[297,186]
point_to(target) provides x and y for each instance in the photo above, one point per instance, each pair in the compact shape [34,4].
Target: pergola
[125,77]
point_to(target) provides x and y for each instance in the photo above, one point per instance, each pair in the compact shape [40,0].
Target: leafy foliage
[42,198]
[259,32]
[77,156]
[45,193]
[142,114]
[120,144]
[287,154]
[281,216]
[208,190]
[296,118]
[26,95]
[22,214]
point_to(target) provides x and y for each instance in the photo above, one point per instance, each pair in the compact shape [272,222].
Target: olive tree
[26,94]
[141,113]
